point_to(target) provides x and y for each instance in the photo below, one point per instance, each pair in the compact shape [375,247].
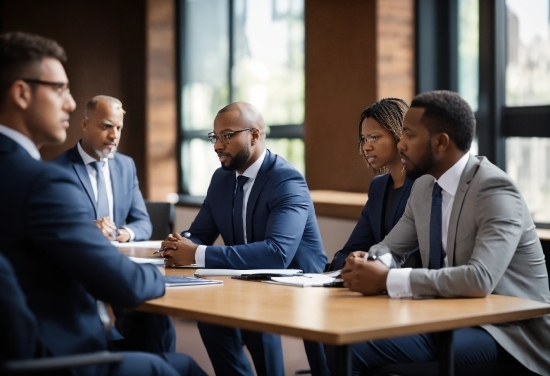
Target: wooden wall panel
[161,128]
[357,52]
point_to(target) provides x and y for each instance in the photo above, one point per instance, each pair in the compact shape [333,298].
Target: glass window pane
[268,69]
[468,51]
[528,163]
[528,53]
[199,161]
[290,149]
[205,62]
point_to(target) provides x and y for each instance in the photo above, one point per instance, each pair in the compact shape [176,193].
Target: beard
[238,160]
[423,166]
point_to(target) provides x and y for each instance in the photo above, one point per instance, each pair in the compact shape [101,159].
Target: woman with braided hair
[380,129]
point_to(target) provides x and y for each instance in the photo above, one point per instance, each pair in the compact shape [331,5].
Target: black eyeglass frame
[61,87]
[225,138]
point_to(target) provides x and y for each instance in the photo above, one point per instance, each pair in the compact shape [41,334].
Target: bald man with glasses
[261,207]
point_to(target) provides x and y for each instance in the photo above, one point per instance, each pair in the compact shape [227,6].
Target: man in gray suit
[476,238]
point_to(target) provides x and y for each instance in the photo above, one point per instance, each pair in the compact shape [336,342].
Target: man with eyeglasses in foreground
[60,258]
[261,207]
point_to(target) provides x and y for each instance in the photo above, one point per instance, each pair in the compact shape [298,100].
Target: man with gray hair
[108,178]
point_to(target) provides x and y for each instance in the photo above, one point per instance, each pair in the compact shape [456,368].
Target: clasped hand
[109,230]
[366,277]
[178,250]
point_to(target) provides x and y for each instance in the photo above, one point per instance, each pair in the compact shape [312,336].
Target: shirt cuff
[200,256]
[132,235]
[398,283]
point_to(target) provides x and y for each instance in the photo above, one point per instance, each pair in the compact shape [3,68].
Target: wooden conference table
[334,316]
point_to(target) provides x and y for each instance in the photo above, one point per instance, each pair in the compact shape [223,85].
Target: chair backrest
[162,218]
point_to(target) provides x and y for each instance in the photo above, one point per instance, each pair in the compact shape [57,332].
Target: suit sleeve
[288,206]
[499,221]
[138,219]
[18,326]
[59,225]
[360,239]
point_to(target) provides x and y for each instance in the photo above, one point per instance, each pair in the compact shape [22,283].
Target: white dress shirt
[22,140]
[251,173]
[398,282]
[92,173]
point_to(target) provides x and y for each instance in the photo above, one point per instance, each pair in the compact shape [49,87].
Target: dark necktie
[436,250]
[238,226]
[102,201]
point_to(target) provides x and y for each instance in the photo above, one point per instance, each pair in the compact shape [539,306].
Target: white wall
[334,231]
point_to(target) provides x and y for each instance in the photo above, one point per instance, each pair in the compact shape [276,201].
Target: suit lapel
[259,183]
[82,173]
[118,191]
[463,186]
[378,205]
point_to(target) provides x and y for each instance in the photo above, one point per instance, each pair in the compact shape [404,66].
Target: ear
[442,142]
[255,135]
[20,94]
[84,124]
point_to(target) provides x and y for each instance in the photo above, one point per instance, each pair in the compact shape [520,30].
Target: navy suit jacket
[281,226]
[128,206]
[60,258]
[369,229]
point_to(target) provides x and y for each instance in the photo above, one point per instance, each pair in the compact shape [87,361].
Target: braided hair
[389,113]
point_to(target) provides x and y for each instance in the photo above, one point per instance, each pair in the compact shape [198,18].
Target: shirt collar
[451,178]
[252,171]
[86,158]
[22,140]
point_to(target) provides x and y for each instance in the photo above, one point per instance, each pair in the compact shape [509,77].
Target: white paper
[145,244]
[233,272]
[307,280]
[146,260]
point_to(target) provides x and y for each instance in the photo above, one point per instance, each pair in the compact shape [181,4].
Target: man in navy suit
[125,218]
[61,261]
[261,207]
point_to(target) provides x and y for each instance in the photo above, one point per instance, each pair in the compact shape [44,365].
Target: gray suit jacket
[492,248]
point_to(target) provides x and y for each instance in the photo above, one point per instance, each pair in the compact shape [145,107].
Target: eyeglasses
[225,137]
[371,140]
[62,88]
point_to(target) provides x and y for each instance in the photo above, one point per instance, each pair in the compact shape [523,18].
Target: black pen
[186,234]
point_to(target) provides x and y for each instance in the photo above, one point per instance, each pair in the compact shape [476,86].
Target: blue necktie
[102,201]
[436,249]
[238,226]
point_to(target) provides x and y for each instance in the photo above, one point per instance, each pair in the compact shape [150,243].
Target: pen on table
[186,234]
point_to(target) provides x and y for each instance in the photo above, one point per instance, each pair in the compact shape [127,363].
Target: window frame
[437,48]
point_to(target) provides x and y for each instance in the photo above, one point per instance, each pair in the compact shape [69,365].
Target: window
[528,84]
[502,69]
[239,50]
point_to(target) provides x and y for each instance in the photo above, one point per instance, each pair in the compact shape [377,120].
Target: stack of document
[331,279]
[188,281]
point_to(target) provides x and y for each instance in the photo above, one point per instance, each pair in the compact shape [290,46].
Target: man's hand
[178,250]
[106,226]
[366,277]
[123,235]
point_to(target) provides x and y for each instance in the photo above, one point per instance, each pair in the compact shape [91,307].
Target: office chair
[21,351]
[162,218]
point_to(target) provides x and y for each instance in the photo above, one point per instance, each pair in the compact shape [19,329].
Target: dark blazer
[281,226]
[369,229]
[128,206]
[62,262]
[18,326]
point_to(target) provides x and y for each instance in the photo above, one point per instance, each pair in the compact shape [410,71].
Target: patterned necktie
[102,201]
[436,249]
[238,226]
